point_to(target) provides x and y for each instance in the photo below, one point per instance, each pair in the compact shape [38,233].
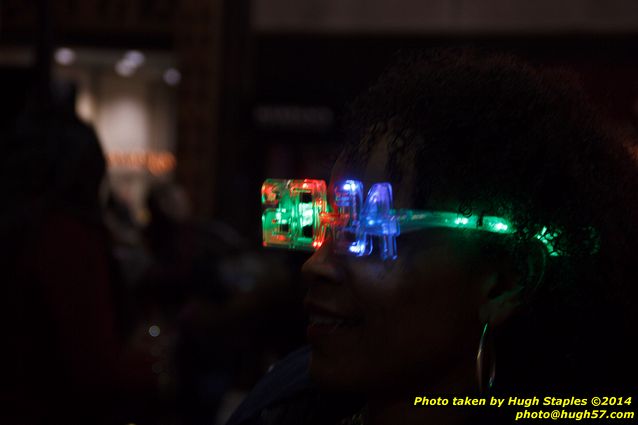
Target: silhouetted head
[481,135]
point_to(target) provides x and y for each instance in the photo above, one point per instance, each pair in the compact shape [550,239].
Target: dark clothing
[66,355]
[287,396]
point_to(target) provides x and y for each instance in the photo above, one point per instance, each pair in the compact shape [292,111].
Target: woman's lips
[324,322]
[318,319]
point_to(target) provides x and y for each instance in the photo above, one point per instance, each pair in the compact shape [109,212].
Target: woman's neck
[388,409]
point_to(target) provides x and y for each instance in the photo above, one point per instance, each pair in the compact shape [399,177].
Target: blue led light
[357,248]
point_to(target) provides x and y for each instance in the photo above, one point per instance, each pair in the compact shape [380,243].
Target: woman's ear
[504,287]
[536,264]
[502,298]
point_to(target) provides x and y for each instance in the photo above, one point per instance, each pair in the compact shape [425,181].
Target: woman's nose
[323,264]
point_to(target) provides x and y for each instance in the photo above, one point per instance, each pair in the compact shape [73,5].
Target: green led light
[501,227]
[410,220]
[547,239]
[291,213]
[307,214]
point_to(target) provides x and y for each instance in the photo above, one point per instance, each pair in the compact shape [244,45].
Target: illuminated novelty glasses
[296,215]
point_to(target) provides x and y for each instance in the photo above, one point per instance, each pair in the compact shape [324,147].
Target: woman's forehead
[368,167]
[374,164]
[373,167]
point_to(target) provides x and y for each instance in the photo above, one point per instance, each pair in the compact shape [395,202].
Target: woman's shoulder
[287,395]
[287,380]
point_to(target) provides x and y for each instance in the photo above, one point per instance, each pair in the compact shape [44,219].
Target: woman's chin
[335,373]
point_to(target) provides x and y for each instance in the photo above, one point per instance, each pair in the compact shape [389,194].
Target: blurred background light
[154,331]
[135,58]
[172,77]
[129,63]
[64,56]
[124,68]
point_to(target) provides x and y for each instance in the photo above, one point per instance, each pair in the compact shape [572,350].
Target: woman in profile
[545,310]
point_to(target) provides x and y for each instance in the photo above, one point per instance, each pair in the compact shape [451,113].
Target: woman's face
[403,325]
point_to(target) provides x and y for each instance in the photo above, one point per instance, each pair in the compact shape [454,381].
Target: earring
[481,355]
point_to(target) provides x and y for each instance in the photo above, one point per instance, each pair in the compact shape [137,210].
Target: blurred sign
[157,163]
[153,18]
[294,117]
[445,16]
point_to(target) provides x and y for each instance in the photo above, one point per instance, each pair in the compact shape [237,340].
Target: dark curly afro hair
[504,137]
